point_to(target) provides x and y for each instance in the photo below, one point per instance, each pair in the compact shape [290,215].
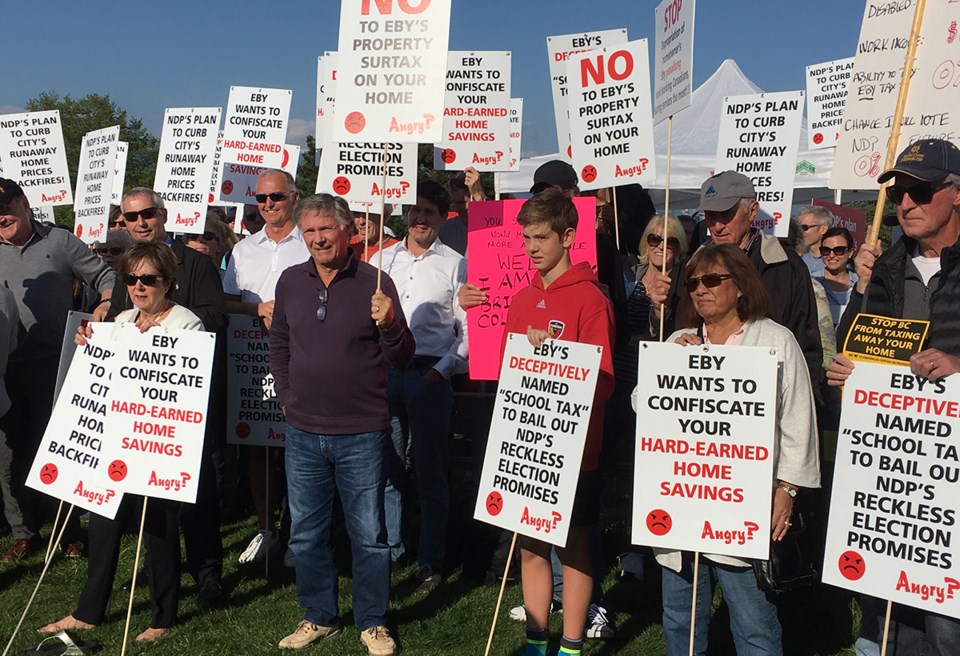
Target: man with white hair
[814,221]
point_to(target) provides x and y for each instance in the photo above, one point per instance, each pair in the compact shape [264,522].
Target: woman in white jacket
[732,300]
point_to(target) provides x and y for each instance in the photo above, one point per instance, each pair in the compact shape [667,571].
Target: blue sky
[152,55]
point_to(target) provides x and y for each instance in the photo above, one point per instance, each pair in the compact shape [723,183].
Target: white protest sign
[119,173]
[934,93]
[256,126]
[33,154]
[43,214]
[254,417]
[516,133]
[374,208]
[326,97]
[560,49]
[71,462]
[355,171]
[158,410]
[673,58]
[98,159]
[895,501]
[539,428]
[476,114]
[706,418]
[238,182]
[67,347]
[188,147]
[826,97]
[760,137]
[611,129]
[391,70]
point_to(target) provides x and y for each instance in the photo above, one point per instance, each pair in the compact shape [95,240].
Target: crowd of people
[368,343]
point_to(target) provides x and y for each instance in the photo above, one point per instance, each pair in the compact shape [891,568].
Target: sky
[150,55]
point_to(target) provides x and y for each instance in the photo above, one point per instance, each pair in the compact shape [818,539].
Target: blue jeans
[317,467]
[420,418]
[753,614]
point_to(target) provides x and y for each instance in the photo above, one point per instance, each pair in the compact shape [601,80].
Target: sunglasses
[146,279]
[113,250]
[808,227]
[920,193]
[709,280]
[206,236]
[836,250]
[322,310]
[275,196]
[654,240]
[147,213]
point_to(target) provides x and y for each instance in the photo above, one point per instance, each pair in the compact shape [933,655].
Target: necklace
[158,317]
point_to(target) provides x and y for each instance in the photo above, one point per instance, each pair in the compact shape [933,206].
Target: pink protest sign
[497,263]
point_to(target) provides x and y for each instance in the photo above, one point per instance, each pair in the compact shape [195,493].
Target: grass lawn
[453,619]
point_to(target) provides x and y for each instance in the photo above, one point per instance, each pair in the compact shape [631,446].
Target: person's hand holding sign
[537,337]
[933,364]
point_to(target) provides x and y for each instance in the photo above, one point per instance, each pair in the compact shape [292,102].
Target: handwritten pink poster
[497,264]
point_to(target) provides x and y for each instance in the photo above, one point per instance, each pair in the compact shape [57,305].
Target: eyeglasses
[206,236]
[147,279]
[921,194]
[275,196]
[147,213]
[654,240]
[113,250]
[322,310]
[808,227]
[723,217]
[709,280]
[836,250]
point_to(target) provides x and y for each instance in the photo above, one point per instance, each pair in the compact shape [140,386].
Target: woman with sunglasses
[839,278]
[731,301]
[113,246]
[149,271]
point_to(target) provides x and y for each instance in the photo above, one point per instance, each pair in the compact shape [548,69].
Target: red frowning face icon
[818,138]
[355,122]
[117,471]
[448,156]
[589,173]
[49,473]
[852,566]
[341,185]
[494,503]
[226,187]
[242,430]
[659,522]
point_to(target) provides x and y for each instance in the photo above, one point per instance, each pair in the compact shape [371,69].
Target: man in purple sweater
[334,333]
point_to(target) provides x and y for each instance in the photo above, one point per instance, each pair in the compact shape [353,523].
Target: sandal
[62,643]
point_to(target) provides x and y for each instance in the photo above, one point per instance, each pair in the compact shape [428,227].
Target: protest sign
[760,137]
[498,264]
[537,434]
[874,338]
[43,213]
[706,418]
[188,146]
[516,132]
[391,70]
[326,97]
[70,463]
[673,58]
[934,93]
[355,171]
[256,126]
[559,50]
[826,96]
[98,159]
[33,154]
[851,218]
[238,182]
[67,347]
[895,499]
[119,173]
[158,410]
[476,114]
[611,132]
[254,417]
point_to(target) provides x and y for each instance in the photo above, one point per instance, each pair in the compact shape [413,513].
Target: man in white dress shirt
[428,275]
[249,287]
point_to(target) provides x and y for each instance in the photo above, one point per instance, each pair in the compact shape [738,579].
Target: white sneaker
[598,626]
[289,560]
[259,546]
[519,613]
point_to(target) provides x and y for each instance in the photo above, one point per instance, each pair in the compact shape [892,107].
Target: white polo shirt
[428,287]
[258,261]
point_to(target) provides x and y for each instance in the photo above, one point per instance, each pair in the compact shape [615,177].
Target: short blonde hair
[674,229]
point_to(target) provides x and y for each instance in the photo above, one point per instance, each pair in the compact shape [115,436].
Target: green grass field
[453,619]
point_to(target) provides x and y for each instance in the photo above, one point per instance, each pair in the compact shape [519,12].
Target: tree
[307,169]
[94,112]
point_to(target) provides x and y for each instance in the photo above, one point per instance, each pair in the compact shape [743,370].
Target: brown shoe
[72,549]
[19,549]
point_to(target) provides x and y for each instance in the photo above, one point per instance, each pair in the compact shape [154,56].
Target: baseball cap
[555,173]
[9,191]
[722,191]
[927,160]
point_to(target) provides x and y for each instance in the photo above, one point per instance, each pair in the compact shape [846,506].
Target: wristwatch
[792,491]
